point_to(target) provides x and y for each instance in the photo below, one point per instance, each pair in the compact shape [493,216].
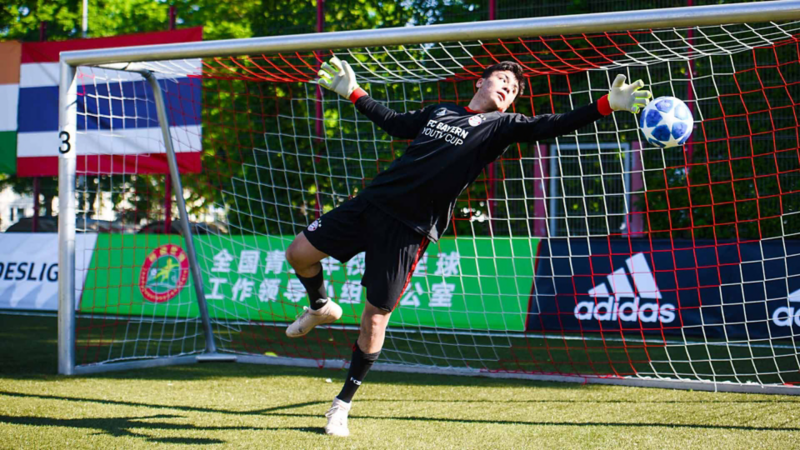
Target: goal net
[594,256]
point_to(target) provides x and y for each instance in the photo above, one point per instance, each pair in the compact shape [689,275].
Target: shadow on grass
[170,407]
[121,427]
[118,426]
[743,401]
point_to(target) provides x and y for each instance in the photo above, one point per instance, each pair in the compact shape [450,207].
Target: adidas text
[630,311]
[785,315]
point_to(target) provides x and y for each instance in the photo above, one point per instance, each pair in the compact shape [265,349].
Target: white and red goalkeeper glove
[338,76]
[628,97]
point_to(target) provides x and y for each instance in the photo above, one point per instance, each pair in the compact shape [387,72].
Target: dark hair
[510,66]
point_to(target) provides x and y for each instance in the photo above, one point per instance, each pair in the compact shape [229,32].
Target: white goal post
[593,257]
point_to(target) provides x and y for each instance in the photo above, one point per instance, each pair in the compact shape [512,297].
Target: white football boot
[310,318]
[337,419]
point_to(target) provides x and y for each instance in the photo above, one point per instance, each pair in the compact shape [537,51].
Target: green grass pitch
[252,406]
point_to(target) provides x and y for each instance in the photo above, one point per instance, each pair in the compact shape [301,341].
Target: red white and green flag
[9,94]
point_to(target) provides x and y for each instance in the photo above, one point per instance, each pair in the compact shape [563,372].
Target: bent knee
[292,254]
[374,323]
[301,255]
[297,257]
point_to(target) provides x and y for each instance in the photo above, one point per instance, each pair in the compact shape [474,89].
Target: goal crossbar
[499,29]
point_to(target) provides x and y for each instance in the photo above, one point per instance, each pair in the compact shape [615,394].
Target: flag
[9,94]
[117,127]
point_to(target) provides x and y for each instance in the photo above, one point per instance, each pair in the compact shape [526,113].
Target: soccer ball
[666,122]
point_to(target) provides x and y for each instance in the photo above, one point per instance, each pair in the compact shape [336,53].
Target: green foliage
[21,21]
[252,130]
[220,20]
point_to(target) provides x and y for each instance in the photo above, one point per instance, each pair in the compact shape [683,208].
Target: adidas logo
[608,304]
[785,315]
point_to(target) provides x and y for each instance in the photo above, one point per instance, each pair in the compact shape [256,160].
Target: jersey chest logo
[475,120]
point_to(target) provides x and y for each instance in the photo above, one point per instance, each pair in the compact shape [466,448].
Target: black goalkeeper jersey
[451,146]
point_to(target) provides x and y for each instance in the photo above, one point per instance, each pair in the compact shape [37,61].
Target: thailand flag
[117,128]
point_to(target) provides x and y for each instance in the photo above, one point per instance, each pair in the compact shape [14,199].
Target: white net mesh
[593,254]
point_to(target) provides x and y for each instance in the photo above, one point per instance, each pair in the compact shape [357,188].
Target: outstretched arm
[547,126]
[339,77]
[623,97]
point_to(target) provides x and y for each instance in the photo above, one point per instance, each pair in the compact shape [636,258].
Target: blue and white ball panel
[666,122]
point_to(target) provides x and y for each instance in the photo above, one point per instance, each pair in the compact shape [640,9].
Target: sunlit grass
[251,406]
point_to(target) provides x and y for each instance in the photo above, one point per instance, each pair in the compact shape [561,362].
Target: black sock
[315,286]
[359,366]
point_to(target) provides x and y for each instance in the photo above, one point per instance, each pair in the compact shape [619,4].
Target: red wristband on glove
[603,106]
[358,93]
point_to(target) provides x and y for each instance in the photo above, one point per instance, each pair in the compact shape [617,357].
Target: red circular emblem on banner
[164,273]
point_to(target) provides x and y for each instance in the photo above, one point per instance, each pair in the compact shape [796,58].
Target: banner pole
[167,180]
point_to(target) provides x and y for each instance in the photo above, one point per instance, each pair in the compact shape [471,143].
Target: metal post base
[216,357]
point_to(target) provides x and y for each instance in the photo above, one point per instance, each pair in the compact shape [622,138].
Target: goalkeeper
[409,205]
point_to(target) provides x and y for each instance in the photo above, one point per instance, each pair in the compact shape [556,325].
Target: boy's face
[498,91]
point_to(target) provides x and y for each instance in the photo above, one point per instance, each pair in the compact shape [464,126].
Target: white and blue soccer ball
[666,122]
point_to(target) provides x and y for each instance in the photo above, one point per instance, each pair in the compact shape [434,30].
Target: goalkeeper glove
[628,97]
[338,76]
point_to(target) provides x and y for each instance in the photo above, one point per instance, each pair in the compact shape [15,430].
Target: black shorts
[392,249]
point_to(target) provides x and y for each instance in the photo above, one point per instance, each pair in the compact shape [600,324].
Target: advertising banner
[29,269]
[707,289]
[723,290]
[139,274]
[477,284]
